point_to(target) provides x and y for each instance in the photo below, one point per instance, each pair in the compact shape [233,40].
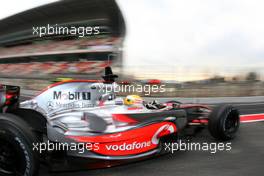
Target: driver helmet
[133,99]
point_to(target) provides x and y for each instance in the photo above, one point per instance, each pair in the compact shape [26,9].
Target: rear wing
[9,97]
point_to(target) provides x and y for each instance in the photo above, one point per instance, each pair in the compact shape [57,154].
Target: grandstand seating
[47,68]
[58,47]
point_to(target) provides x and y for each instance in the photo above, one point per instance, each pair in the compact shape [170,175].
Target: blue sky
[185,39]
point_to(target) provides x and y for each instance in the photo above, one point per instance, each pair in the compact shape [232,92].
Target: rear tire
[16,147]
[224,122]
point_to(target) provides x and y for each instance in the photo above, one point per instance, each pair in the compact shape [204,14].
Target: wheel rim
[231,122]
[9,163]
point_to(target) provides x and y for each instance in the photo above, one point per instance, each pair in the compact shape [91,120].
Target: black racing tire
[224,122]
[16,147]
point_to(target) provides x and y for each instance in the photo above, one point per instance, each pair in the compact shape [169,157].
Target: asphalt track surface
[245,158]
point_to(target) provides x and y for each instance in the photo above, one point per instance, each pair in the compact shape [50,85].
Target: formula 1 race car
[80,121]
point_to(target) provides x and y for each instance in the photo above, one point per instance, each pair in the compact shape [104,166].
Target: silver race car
[80,123]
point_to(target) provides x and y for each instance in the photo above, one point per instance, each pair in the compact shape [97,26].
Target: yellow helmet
[133,99]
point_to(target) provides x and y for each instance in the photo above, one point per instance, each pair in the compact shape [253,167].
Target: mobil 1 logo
[59,95]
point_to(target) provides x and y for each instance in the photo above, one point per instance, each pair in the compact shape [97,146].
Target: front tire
[16,147]
[224,122]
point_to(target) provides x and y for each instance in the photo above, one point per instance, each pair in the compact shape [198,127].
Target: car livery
[115,130]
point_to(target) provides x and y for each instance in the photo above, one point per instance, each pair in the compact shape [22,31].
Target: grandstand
[25,55]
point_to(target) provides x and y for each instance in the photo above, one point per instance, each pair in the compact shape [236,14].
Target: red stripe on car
[252,118]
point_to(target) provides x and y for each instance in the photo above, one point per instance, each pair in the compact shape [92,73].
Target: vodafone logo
[146,139]
[140,145]
[155,139]
[127,147]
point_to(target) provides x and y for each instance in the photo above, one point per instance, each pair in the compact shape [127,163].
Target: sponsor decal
[142,143]
[130,142]
[72,105]
[59,95]
[165,129]
[129,146]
